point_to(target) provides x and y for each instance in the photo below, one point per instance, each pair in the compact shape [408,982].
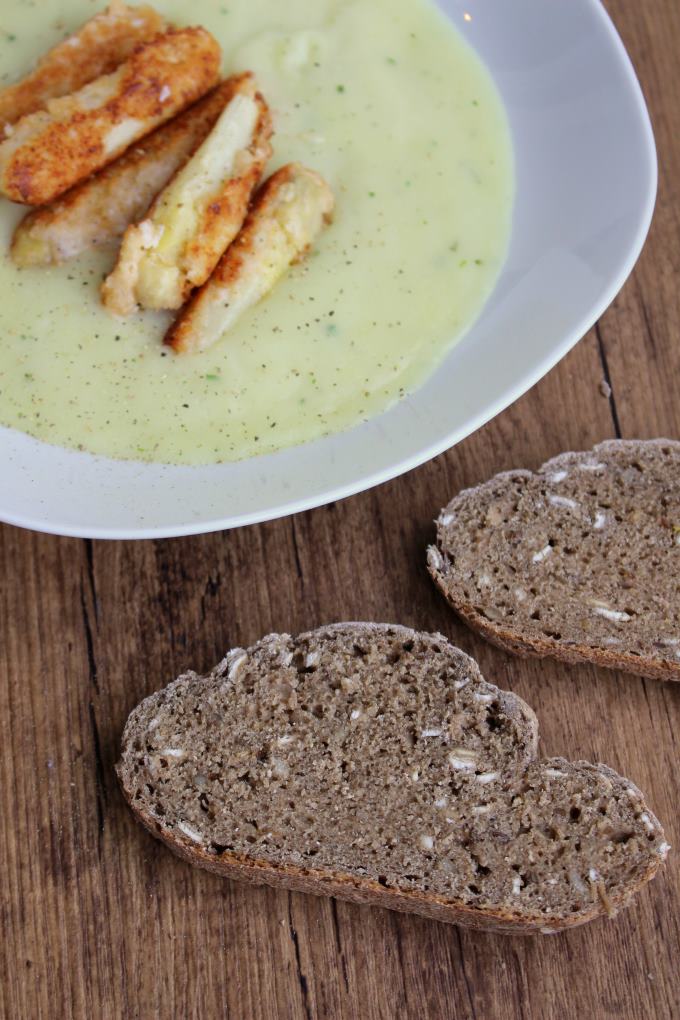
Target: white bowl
[586,184]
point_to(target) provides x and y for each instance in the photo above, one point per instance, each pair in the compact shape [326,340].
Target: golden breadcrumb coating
[196,217]
[99,210]
[97,48]
[54,149]
[287,217]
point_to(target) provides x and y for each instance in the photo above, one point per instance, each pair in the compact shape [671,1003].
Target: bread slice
[375,764]
[579,561]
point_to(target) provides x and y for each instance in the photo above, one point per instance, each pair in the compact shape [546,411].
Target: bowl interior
[586,184]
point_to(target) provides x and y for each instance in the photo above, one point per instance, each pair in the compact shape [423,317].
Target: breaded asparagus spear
[287,216]
[54,149]
[97,48]
[100,209]
[196,217]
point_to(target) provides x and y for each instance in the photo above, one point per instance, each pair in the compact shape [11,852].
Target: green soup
[387,101]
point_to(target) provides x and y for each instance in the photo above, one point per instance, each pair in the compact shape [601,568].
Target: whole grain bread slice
[579,560]
[375,764]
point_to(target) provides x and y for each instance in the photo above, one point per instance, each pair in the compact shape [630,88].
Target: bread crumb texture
[376,763]
[579,560]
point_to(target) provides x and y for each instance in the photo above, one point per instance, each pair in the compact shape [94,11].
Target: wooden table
[99,920]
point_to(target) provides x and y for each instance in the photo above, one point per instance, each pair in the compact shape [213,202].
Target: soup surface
[386,100]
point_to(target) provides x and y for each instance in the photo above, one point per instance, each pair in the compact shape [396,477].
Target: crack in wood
[99,774]
[89,641]
[463,969]
[302,980]
[296,549]
[400,957]
[647,702]
[212,587]
[647,321]
[608,380]
[338,942]
[101,795]
[89,558]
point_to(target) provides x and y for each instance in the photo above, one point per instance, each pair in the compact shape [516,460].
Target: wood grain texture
[99,920]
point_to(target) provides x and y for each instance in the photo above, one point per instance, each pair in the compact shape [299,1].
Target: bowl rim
[396,466]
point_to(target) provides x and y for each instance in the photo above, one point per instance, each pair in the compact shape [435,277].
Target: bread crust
[369,893]
[354,889]
[545,647]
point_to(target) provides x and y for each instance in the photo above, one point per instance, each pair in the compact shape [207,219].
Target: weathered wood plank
[99,920]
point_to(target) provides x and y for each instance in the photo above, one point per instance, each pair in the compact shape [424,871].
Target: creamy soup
[386,100]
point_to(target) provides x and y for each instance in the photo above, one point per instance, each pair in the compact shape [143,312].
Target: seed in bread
[199,213]
[54,149]
[100,209]
[97,48]
[375,764]
[287,216]
[579,560]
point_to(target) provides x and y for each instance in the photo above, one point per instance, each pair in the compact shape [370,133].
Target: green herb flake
[212,377]
[339,88]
